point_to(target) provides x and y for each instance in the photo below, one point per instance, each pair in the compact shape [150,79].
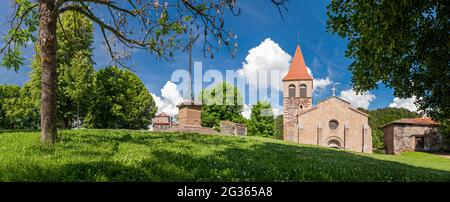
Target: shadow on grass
[239,159]
[19,131]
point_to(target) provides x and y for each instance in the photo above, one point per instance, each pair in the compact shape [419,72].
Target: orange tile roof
[415,121]
[298,70]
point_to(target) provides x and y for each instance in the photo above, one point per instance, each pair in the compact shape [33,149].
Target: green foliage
[75,68]
[380,117]
[222,102]
[17,109]
[7,92]
[261,121]
[403,44]
[120,101]
[279,127]
[121,155]
[20,34]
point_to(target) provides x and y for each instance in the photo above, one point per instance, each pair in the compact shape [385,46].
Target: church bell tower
[297,95]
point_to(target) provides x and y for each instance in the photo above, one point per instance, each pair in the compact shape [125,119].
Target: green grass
[120,155]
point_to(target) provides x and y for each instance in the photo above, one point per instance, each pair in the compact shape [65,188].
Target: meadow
[125,155]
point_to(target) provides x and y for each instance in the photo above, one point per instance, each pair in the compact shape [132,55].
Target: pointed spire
[298,70]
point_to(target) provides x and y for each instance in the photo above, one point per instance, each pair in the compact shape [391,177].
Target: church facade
[333,122]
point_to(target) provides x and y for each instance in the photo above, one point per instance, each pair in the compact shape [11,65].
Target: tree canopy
[221,102]
[262,122]
[147,25]
[402,44]
[75,68]
[120,100]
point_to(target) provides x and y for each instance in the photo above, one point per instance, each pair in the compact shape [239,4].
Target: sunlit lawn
[120,155]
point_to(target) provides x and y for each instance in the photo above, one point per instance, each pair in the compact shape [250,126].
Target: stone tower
[297,96]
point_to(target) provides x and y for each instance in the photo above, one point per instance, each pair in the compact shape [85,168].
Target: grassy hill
[116,155]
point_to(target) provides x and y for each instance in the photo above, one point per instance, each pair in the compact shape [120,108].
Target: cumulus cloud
[320,84]
[170,98]
[361,100]
[267,56]
[404,103]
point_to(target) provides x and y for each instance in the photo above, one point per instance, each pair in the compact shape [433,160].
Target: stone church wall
[353,132]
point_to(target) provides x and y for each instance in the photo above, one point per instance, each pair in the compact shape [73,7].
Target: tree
[7,92]
[144,24]
[261,121]
[121,101]
[403,44]
[279,127]
[17,108]
[75,68]
[221,102]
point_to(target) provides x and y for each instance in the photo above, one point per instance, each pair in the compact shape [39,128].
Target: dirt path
[446,155]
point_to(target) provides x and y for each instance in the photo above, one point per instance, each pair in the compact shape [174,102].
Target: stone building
[416,134]
[162,122]
[231,128]
[331,123]
[190,113]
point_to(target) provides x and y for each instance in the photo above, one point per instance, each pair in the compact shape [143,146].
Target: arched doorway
[334,143]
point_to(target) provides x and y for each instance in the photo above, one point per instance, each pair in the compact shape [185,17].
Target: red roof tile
[298,70]
[416,121]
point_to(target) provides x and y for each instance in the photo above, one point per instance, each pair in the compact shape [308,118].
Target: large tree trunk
[48,17]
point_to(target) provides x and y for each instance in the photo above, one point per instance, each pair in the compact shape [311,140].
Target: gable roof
[298,70]
[338,98]
[323,100]
[414,121]
[162,115]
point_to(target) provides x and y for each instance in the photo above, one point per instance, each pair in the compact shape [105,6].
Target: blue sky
[259,20]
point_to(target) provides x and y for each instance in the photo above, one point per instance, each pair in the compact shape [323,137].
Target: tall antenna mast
[191,93]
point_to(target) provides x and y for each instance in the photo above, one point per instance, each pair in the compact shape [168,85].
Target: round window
[333,124]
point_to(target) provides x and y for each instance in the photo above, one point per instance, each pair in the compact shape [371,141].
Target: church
[333,122]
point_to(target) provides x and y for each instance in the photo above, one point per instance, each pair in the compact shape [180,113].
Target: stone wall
[401,138]
[291,107]
[192,129]
[352,133]
[190,115]
[230,128]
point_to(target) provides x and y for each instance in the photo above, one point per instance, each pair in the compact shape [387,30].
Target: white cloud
[320,84]
[269,56]
[361,100]
[404,103]
[266,56]
[171,97]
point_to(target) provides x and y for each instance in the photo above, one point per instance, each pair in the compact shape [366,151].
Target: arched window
[292,90]
[303,91]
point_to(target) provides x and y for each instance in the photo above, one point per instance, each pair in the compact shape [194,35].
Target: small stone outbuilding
[231,128]
[414,134]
